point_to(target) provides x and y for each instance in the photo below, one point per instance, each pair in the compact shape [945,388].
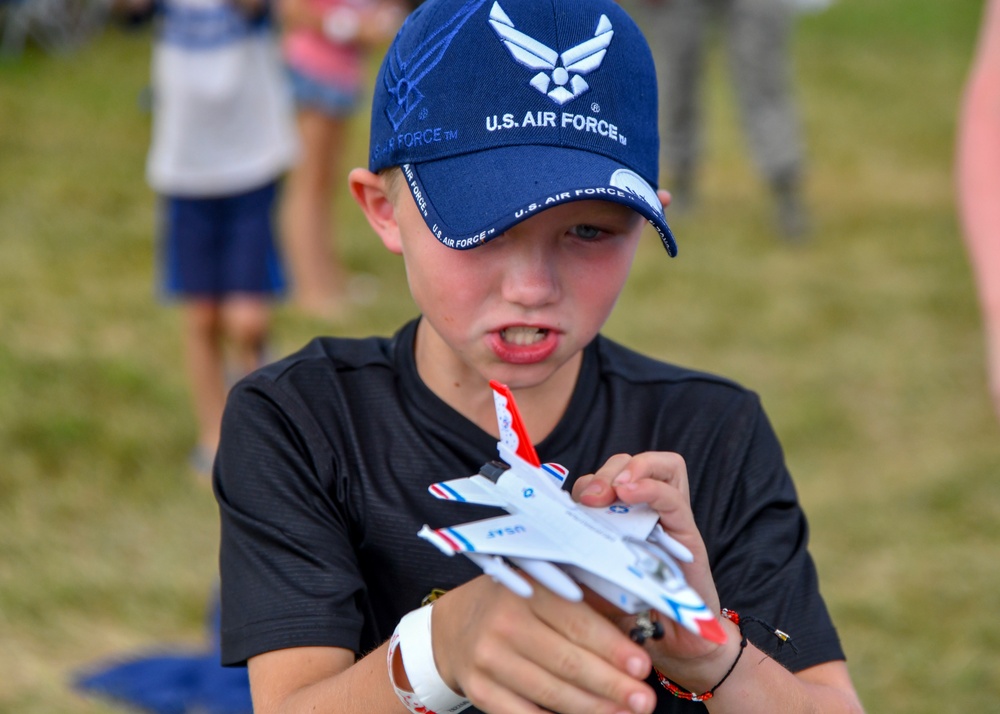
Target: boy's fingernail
[594,489]
[639,703]
[637,667]
[621,479]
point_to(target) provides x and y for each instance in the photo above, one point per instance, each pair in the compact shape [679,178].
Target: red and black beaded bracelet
[734,617]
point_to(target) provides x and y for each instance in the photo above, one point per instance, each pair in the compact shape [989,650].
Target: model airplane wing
[636,583]
[472,489]
[492,542]
[507,536]
[636,521]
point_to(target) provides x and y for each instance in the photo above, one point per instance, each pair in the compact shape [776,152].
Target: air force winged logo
[560,78]
[404,74]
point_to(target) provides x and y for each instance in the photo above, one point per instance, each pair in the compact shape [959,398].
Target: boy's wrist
[411,654]
[702,673]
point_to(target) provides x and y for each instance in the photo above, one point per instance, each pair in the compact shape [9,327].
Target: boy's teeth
[523,335]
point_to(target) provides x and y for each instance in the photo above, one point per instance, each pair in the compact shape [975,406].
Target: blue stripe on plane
[677,607]
[457,496]
[458,536]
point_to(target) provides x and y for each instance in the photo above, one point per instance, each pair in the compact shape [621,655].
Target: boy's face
[520,308]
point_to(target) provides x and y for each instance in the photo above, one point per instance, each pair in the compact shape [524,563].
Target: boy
[513,155]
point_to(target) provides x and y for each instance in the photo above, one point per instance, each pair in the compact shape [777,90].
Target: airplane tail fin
[512,432]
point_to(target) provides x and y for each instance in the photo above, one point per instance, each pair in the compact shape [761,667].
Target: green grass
[864,344]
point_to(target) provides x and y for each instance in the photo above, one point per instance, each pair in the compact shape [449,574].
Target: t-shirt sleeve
[289,577]
[757,538]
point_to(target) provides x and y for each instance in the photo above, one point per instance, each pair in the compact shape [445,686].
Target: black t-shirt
[326,457]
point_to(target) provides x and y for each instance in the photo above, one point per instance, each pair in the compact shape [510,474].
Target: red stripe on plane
[451,544]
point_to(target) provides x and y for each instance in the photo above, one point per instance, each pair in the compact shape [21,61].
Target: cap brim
[469,199]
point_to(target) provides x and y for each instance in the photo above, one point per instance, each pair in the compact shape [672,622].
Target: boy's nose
[531,276]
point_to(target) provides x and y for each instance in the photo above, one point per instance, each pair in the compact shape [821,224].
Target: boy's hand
[514,655]
[660,479]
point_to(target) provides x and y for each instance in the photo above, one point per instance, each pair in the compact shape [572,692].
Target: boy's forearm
[361,688]
[762,685]
[758,683]
[744,681]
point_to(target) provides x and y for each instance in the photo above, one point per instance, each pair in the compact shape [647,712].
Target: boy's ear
[370,192]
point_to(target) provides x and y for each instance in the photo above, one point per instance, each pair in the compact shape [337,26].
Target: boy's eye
[587,232]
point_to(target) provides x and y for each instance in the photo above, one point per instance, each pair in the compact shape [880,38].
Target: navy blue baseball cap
[497,109]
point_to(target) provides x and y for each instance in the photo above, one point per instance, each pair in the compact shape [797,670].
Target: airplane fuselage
[547,508]
[620,552]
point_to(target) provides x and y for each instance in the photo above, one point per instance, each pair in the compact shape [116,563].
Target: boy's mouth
[523,335]
[524,344]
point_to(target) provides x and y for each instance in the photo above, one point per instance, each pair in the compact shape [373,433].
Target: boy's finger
[565,657]
[595,489]
[665,466]
[560,691]
[596,674]
[489,695]
[662,498]
[583,626]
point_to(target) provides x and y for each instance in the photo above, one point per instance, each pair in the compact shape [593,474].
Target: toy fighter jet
[620,551]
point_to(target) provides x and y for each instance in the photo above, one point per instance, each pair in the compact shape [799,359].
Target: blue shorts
[214,247]
[332,100]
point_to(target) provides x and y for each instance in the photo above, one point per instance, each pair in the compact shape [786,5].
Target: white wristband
[430,693]
[341,25]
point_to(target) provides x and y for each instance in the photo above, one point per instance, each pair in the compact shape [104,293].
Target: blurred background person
[978,182]
[223,136]
[756,34]
[325,46]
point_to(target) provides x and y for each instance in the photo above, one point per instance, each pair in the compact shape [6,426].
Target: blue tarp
[165,682]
